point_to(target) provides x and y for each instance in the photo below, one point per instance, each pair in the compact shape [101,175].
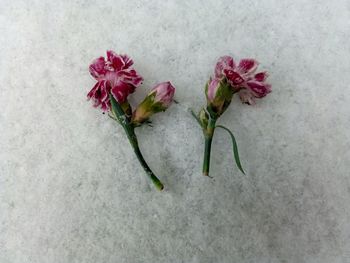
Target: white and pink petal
[131,77]
[233,77]
[121,91]
[97,67]
[261,76]
[246,97]
[127,61]
[116,60]
[225,62]
[247,66]
[99,93]
[259,89]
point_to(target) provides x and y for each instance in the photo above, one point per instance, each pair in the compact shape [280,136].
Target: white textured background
[71,189]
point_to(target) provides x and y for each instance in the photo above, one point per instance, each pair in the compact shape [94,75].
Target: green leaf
[196,117]
[235,148]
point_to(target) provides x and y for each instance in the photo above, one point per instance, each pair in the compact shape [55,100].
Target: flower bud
[219,95]
[159,99]
[213,86]
[164,94]
[203,118]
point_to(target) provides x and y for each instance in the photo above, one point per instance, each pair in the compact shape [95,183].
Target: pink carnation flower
[115,76]
[243,78]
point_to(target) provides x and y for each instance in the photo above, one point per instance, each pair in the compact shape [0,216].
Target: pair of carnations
[117,79]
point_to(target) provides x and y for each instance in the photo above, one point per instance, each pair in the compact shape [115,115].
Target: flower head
[158,99]
[243,79]
[114,75]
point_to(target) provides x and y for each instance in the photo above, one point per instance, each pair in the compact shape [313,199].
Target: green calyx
[127,109]
[146,109]
[222,99]
[203,117]
[120,112]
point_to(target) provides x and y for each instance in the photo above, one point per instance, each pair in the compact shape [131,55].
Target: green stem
[208,134]
[130,132]
[134,143]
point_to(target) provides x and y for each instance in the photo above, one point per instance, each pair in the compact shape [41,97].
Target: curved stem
[129,130]
[134,143]
[157,183]
[208,134]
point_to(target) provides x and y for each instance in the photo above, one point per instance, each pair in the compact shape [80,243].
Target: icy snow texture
[71,189]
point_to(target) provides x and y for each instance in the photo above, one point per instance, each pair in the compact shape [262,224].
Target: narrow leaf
[235,148]
[196,117]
